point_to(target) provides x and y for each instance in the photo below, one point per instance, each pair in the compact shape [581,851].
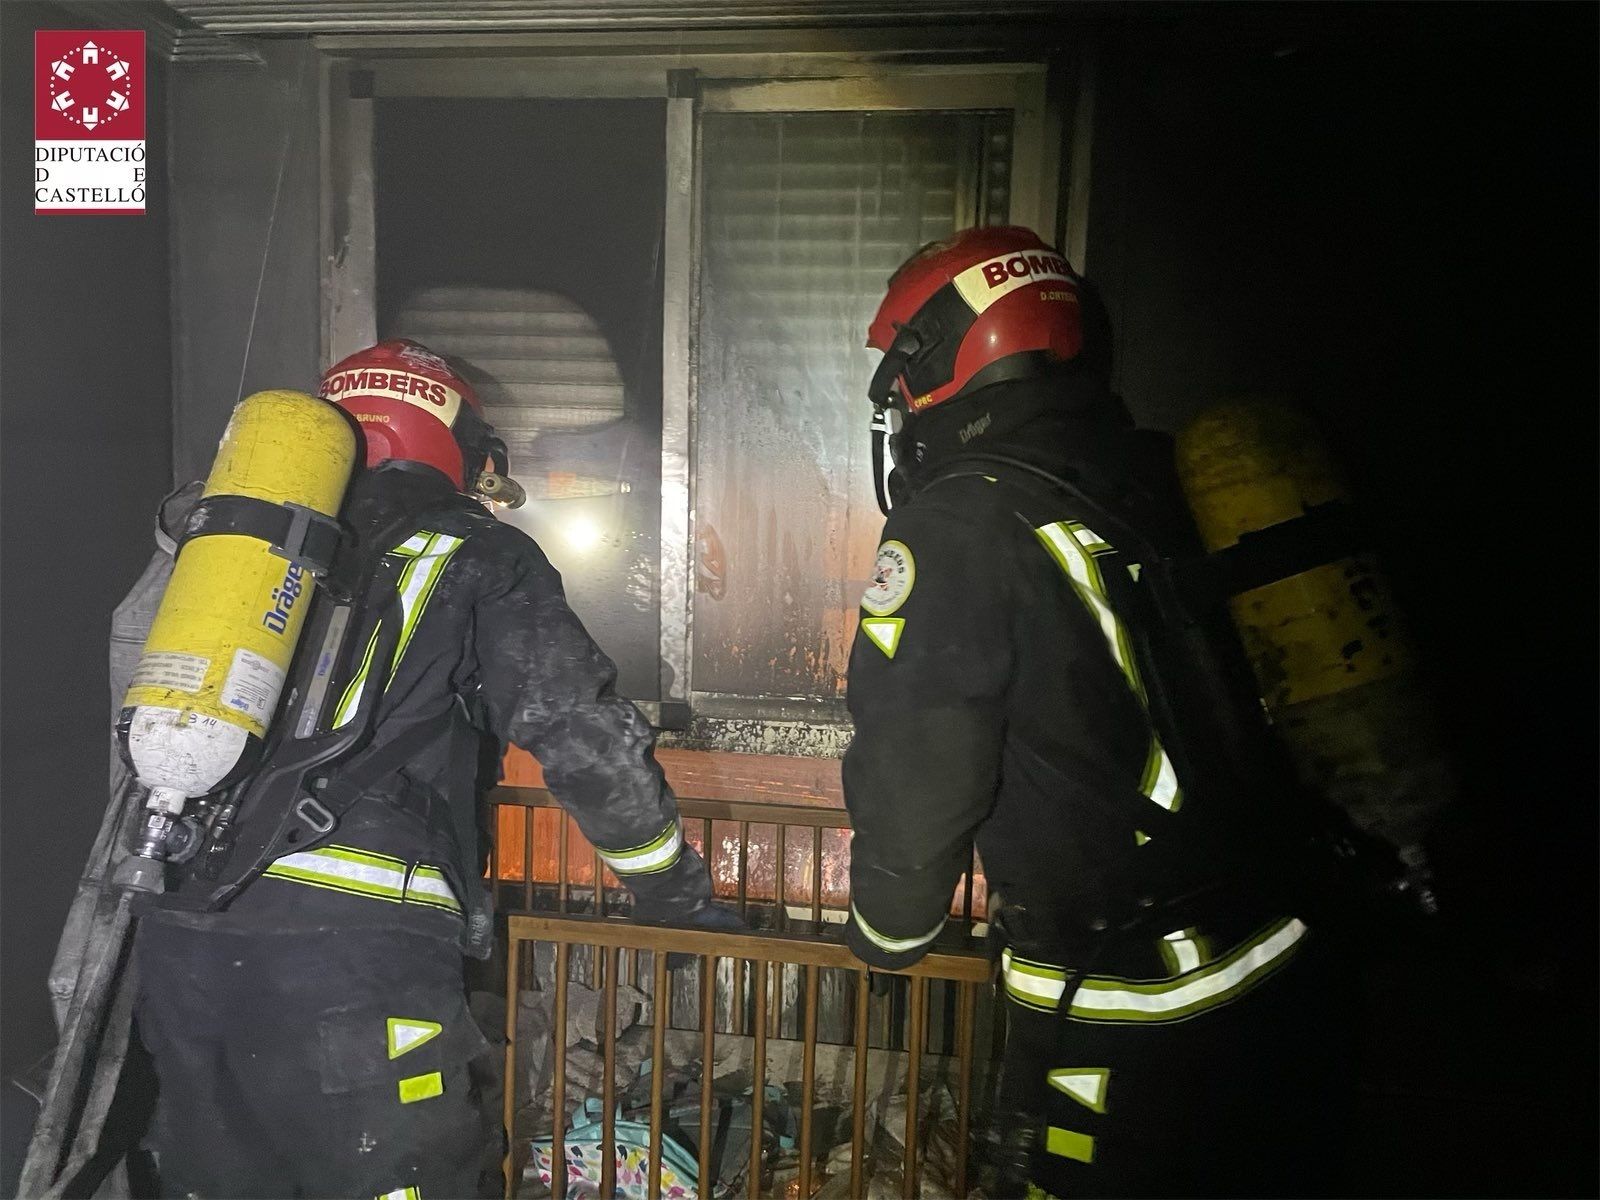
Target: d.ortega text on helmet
[983,283]
[284,598]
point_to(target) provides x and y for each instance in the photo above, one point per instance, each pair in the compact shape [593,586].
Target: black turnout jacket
[1000,685]
[490,653]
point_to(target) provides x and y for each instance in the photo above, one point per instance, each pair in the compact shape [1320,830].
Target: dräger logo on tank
[983,284]
[425,393]
[88,121]
[283,599]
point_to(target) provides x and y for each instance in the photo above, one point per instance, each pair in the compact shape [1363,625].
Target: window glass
[521,239]
[805,216]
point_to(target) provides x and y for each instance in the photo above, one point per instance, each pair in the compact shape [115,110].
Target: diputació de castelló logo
[89,121]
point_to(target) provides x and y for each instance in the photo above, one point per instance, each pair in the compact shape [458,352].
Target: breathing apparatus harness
[294,801]
[1302,854]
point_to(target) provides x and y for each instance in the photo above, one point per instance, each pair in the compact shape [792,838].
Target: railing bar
[666,1001]
[527,860]
[697,808]
[744,865]
[758,1087]
[966,1018]
[808,1079]
[783,870]
[599,911]
[919,1002]
[797,950]
[508,1112]
[774,1014]
[816,880]
[558,1088]
[608,1128]
[658,1052]
[563,874]
[858,1127]
[736,1022]
[708,1035]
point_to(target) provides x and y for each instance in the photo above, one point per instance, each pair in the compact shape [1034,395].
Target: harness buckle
[315,814]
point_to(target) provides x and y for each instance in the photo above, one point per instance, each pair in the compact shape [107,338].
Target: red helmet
[411,405]
[982,306]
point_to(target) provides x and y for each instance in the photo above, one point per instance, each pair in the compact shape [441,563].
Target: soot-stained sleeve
[550,690]
[929,671]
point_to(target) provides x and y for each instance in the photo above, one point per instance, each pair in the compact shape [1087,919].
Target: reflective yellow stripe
[352,693]
[1197,991]
[1032,984]
[1206,986]
[891,944]
[410,1193]
[418,582]
[1081,569]
[1064,1142]
[428,552]
[1185,950]
[421,1087]
[1073,547]
[362,873]
[427,885]
[344,869]
[655,855]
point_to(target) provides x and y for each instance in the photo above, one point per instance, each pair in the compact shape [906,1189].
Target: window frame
[944,70]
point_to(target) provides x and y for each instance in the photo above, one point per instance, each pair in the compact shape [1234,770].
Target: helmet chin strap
[881,392]
[880,447]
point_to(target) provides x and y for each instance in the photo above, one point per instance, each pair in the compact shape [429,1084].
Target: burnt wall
[85,372]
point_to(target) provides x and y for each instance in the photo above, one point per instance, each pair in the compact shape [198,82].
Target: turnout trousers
[1248,1098]
[318,1063]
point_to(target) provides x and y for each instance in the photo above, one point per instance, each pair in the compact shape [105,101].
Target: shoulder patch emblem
[893,577]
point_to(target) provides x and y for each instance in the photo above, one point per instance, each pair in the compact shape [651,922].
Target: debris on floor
[733,1110]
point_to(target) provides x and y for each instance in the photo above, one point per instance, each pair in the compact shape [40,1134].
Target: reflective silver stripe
[1183,950]
[427,886]
[655,855]
[1073,547]
[893,945]
[362,873]
[415,544]
[1059,539]
[1037,985]
[409,1193]
[344,869]
[1124,1000]
[1163,789]
[428,552]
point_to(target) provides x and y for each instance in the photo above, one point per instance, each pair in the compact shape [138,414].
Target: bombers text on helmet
[412,406]
[980,307]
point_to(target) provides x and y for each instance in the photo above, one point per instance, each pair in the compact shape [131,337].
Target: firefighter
[312,1038]
[1020,683]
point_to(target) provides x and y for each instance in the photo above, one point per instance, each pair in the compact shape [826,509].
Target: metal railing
[740,984]
[556,883]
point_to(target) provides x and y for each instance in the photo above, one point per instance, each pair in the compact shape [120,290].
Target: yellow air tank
[219,650]
[1329,652]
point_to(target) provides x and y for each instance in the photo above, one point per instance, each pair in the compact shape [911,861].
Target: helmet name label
[983,283]
[344,388]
